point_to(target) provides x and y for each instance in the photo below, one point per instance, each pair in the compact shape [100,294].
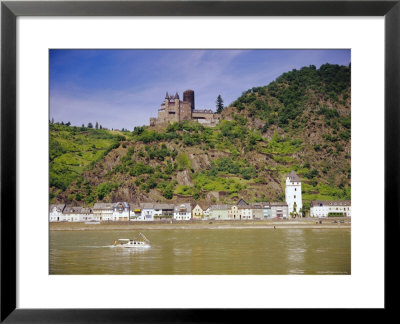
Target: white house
[293,193]
[320,208]
[77,214]
[245,212]
[121,211]
[167,210]
[56,212]
[162,211]
[157,210]
[148,212]
[103,211]
[135,212]
[183,212]
[206,213]
[86,214]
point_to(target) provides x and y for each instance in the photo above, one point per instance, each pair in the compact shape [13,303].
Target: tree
[103,189]
[168,191]
[306,209]
[89,125]
[97,125]
[220,104]
[294,210]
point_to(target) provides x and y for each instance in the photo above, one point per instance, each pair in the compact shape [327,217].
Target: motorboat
[140,241]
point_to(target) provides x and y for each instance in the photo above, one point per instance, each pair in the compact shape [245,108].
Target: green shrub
[335,214]
[141,168]
[103,189]
[183,161]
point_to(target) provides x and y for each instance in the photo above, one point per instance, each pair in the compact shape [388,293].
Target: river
[204,251]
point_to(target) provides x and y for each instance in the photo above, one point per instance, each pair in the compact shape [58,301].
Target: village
[148,211]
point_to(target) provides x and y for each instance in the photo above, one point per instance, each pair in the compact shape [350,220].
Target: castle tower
[177,106]
[166,100]
[188,96]
[293,193]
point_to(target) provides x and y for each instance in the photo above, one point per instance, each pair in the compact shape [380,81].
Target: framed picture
[33,282]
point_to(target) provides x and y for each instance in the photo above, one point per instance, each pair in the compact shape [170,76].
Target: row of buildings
[124,211]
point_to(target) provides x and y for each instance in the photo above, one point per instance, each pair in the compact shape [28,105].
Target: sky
[124,88]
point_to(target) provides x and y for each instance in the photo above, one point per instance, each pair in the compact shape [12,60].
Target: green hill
[300,122]
[74,150]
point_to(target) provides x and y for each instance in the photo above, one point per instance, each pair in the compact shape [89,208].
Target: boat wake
[116,246]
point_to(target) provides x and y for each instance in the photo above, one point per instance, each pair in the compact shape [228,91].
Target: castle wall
[208,116]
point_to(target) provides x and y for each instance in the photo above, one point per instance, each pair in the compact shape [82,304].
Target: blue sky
[124,88]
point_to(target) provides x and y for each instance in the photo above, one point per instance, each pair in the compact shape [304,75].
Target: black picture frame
[10,10]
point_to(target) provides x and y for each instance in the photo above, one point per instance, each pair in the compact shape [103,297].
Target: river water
[204,251]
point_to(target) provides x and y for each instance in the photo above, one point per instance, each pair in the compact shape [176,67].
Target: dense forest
[301,121]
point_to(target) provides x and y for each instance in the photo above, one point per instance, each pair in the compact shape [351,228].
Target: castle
[175,110]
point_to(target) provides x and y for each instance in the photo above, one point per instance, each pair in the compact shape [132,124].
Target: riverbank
[211,224]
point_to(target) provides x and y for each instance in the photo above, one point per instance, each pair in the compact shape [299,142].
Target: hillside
[74,150]
[300,122]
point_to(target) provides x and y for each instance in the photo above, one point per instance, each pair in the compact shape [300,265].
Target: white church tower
[293,193]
